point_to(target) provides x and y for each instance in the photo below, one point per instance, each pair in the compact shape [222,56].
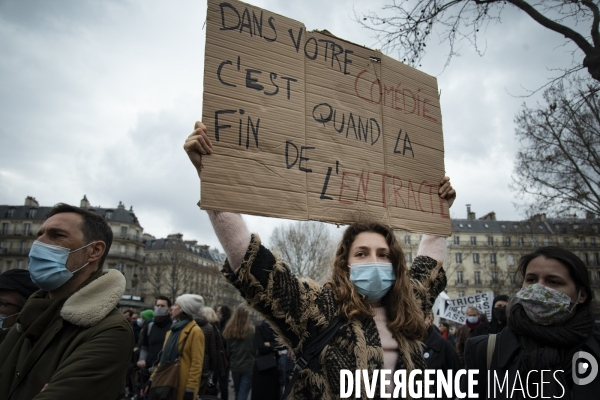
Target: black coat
[265,384]
[507,358]
[440,354]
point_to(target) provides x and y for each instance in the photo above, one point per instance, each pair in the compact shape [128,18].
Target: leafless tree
[558,166]
[407,26]
[306,247]
[170,273]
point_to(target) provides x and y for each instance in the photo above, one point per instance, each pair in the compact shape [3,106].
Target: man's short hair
[128,312]
[93,227]
[165,298]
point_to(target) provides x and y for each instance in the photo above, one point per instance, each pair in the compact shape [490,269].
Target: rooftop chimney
[470,215]
[121,206]
[175,236]
[85,203]
[31,201]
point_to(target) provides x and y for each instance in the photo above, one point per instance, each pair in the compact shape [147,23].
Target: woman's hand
[446,191]
[198,144]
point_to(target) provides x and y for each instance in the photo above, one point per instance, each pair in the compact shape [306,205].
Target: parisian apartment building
[167,266]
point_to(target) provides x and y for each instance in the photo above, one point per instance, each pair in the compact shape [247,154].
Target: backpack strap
[491,345]
[149,328]
[313,348]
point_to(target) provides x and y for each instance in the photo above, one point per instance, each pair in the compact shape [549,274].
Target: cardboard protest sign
[308,126]
[456,309]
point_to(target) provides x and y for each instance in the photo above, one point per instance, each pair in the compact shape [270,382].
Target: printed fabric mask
[372,280]
[47,265]
[160,311]
[544,305]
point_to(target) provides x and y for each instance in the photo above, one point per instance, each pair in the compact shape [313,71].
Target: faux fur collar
[90,304]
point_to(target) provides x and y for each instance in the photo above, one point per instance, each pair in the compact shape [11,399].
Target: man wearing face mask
[467,331]
[153,336]
[70,341]
[15,288]
[499,317]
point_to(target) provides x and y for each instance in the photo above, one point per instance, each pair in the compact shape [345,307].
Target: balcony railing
[15,252]
[17,232]
[461,282]
[133,237]
[126,254]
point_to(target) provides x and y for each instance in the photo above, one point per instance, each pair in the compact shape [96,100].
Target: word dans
[250,126]
[375,92]
[252,79]
[418,384]
[353,188]
[330,50]
[323,114]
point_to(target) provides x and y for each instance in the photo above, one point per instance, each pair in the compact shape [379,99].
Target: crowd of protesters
[62,335]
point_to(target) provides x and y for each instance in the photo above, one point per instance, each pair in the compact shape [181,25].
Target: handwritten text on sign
[309,126]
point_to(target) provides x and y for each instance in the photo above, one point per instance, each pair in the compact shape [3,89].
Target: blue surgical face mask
[373,279]
[2,318]
[47,265]
[472,319]
[140,322]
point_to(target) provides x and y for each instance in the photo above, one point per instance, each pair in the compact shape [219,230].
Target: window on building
[478,277]
[459,277]
[546,241]
[2,247]
[20,264]
[510,259]
[507,241]
[587,258]
[582,242]
[473,241]
[120,267]
[22,246]
[32,213]
[10,213]
[26,229]
[513,278]
[5,228]
[593,241]
[493,258]
[123,230]
[408,257]
[596,259]
[490,241]
[478,292]
[521,241]
[456,239]
[494,277]
[406,239]
[534,241]
[108,216]
[461,293]
[122,248]
[458,257]
[475,258]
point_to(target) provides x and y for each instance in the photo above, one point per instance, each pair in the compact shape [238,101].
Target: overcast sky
[97,97]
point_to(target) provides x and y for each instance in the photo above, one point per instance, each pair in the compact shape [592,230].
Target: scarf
[474,326]
[170,351]
[549,347]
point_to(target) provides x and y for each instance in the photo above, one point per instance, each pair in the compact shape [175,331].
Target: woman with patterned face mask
[380,301]
[549,323]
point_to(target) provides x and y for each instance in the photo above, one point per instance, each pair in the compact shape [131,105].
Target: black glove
[188,395]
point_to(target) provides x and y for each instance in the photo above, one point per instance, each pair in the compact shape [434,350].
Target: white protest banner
[456,309]
[308,126]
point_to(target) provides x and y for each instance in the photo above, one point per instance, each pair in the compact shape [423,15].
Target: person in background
[15,288]
[145,318]
[467,331]
[209,364]
[499,317]
[439,353]
[224,314]
[240,346]
[265,383]
[127,315]
[135,326]
[72,341]
[222,362]
[185,339]
[152,337]
[445,332]
[549,335]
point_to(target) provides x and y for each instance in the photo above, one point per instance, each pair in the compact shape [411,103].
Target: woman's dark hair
[225,313]
[576,267]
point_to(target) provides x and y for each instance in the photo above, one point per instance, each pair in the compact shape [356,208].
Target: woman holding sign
[380,301]
[549,348]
